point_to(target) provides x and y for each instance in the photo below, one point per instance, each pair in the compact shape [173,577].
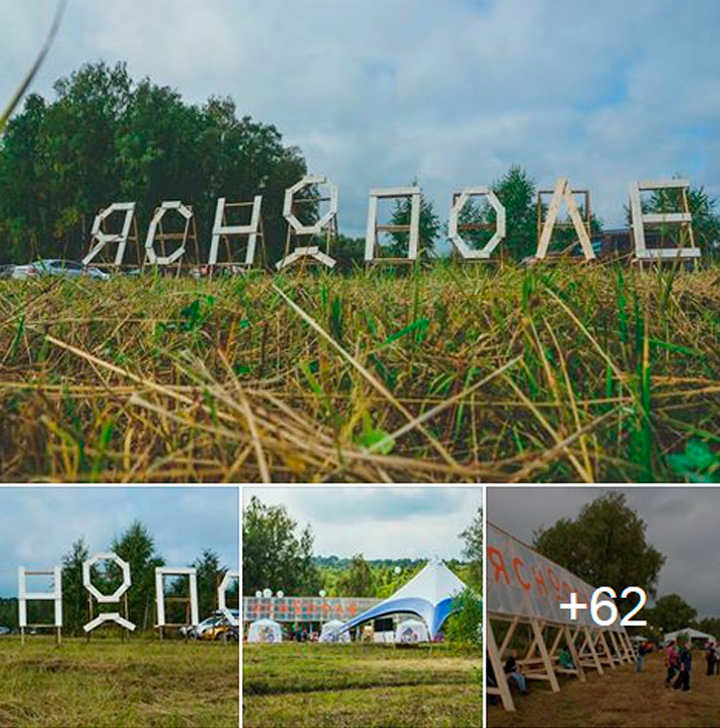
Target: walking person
[640,652]
[685,660]
[672,663]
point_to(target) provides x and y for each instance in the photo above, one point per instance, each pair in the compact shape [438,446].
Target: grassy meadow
[622,699]
[576,373]
[365,686]
[107,683]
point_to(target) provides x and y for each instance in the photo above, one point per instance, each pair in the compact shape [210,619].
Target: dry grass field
[138,684]
[446,375]
[623,699]
[359,686]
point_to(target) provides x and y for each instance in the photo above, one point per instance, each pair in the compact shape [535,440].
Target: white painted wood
[220,230]
[160,573]
[563,194]
[25,596]
[222,594]
[371,242]
[164,260]
[321,225]
[640,220]
[666,218]
[99,597]
[500,223]
[102,239]
[109,617]
[663,184]
[547,662]
[502,689]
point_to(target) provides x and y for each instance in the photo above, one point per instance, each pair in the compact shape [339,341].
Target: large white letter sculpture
[160,573]
[413,229]
[222,593]
[164,259]
[101,598]
[102,239]
[221,230]
[563,192]
[25,596]
[642,252]
[455,226]
[327,224]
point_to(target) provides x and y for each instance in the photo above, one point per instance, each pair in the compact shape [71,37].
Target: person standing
[710,657]
[717,658]
[685,660]
[640,653]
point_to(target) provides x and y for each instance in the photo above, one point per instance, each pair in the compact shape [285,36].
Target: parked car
[6,271]
[5,631]
[210,627]
[57,267]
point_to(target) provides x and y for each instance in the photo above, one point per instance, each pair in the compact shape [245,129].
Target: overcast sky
[39,525]
[376,92]
[682,523]
[380,523]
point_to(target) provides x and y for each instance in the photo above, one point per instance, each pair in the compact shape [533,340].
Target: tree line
[136,546]
[606,545]
[279,555]
[106,138]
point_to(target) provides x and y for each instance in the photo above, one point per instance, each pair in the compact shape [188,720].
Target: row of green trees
[107,138]
[136,546]
[277,554]
[606,544]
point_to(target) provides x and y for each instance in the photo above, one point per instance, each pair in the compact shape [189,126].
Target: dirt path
[622,699]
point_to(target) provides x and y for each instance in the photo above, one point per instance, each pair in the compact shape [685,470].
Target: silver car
[57,267]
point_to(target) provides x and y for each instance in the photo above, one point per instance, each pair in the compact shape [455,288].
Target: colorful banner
[305,609]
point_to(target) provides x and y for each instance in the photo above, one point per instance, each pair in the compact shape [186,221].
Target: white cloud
[454,92]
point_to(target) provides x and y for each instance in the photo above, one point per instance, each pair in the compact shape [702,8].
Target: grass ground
[623,699]
[107,683]
[359,686]
[447,375]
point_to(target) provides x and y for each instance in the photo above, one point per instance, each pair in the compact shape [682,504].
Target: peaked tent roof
[429,595]
[692,634]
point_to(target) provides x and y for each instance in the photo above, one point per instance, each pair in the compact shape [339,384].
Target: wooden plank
[553,210]
[663,184]
[502,689]
[546,657]
[667,218]
[579,224]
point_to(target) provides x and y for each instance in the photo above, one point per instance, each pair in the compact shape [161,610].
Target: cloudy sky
[380,523]
[683,523]
[39,525]
[454,92]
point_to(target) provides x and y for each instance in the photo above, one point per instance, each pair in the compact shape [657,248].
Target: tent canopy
[264,630]
[331,632]
[428,595]
[692,634]
[411,631]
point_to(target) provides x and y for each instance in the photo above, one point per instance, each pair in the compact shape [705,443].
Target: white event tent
[428,595]
[411,632]
[265,630]
[330,632]
[691,634]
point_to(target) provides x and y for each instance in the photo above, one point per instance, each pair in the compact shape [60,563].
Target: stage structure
[54,595]
[683,219]
[563,192]
[412,229]
[456,228]
[297,231]
[230,234]
[119,596]
[189,602]
[185,238]
[222,596]
[524,592]
[101,238]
